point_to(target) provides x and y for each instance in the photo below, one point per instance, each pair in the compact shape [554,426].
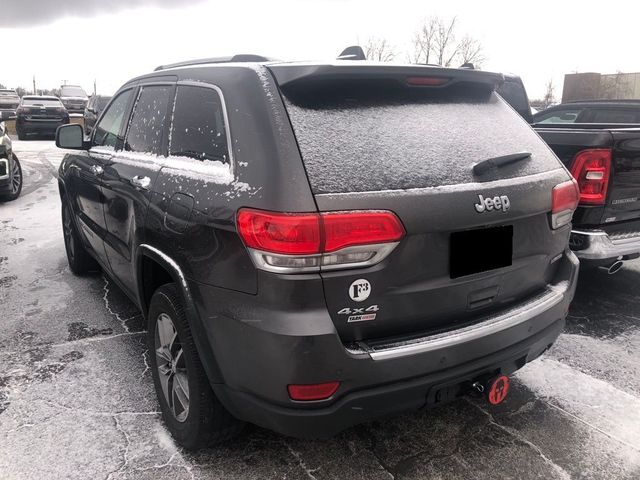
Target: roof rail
[243,57]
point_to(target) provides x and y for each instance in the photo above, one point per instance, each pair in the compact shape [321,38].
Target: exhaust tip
[614,267]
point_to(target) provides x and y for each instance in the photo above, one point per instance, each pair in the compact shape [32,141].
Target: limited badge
[360,290]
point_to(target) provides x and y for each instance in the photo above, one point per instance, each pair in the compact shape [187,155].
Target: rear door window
[199,130]
[559,116]
[614,115]
[108,129]
[147,124]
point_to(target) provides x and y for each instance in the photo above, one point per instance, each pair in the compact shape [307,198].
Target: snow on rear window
[357,145]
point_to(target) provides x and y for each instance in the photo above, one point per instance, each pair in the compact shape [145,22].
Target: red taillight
[427,81]
[291,243]
[591,169]
[359,228]
[317,391]
[564,200]
[294,234]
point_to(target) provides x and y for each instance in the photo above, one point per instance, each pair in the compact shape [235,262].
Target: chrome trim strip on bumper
[598,245]
[550,298]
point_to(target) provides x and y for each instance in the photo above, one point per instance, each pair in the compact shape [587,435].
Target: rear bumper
[598,246]
[39,126]
[258,352]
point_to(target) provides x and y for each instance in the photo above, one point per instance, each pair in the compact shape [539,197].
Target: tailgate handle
[485,165]
[481,297]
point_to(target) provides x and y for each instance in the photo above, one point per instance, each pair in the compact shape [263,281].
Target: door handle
[141,182]
[97,170]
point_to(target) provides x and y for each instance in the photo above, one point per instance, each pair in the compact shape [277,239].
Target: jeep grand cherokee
[316,245]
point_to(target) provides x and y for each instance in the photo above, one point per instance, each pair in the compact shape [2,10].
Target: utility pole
[94,86]
[35,92]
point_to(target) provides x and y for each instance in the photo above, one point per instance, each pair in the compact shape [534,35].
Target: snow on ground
[77,401]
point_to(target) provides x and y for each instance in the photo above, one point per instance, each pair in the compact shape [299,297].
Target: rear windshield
[8,93]
[47,102]
[361,138]
[72,92]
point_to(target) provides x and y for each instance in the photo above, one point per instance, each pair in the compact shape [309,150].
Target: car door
[129,177]
[85,175]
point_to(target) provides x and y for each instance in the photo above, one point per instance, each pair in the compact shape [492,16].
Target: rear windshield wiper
[485,165]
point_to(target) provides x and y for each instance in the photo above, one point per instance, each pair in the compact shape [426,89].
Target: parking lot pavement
[77,401]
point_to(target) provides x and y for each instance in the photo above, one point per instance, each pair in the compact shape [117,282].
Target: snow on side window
[198,129]
[147,123]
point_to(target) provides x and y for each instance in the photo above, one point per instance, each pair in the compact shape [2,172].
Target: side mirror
[70,137]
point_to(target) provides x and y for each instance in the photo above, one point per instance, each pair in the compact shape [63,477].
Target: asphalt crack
[562,473]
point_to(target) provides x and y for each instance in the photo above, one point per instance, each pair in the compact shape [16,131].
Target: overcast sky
[114,40]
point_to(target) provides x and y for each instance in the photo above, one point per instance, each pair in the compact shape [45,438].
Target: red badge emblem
[498,390]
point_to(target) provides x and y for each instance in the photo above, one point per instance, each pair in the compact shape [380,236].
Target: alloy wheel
[171,366]
[67,230]
[16,177]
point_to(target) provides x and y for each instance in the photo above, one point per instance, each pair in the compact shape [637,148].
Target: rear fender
[206,354]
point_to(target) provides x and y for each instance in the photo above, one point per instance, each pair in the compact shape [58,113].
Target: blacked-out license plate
[475,251]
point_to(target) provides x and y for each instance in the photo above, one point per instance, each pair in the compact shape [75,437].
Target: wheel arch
[155,268]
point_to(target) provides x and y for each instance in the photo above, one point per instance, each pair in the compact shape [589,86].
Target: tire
[176,369]
[16,180]
[80,261]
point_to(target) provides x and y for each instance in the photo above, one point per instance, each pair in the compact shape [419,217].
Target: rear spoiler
[417,76]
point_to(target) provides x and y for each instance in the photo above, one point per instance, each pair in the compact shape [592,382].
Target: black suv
[316,245]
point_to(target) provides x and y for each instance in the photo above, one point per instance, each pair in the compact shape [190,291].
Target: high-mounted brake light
[564,201]
[318,391]
[294,243]
[591,169]
[427,81]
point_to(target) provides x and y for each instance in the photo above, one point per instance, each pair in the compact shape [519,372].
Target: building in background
[595,86]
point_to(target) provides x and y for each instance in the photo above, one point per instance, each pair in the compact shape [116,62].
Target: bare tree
[379,49]
[21,91]
[423,41]
[549,95]
[436,42]
[614,87]
[446,48]
[470,51]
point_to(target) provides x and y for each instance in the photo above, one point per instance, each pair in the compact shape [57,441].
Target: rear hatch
[43,110]
[406,139]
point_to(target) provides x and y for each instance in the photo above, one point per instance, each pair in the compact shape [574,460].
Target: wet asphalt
[77,400]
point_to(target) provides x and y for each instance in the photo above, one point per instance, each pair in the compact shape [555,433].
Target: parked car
[40,115]
[9,100]
[317,245]
[10,170]
[604,157]
[93,110]
[74,98]
[592,111]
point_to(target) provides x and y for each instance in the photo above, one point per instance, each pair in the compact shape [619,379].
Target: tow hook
[478,387]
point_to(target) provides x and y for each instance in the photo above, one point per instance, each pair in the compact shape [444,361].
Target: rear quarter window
[372,139]
[198,130]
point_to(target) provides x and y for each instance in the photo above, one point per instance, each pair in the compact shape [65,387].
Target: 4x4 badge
[496,203]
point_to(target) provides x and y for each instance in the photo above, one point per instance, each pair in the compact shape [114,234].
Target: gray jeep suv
[316,245]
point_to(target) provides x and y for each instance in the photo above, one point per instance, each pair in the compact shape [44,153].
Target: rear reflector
[591,169]
[564,201]
[317,391]
[292,243]
[427,81]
